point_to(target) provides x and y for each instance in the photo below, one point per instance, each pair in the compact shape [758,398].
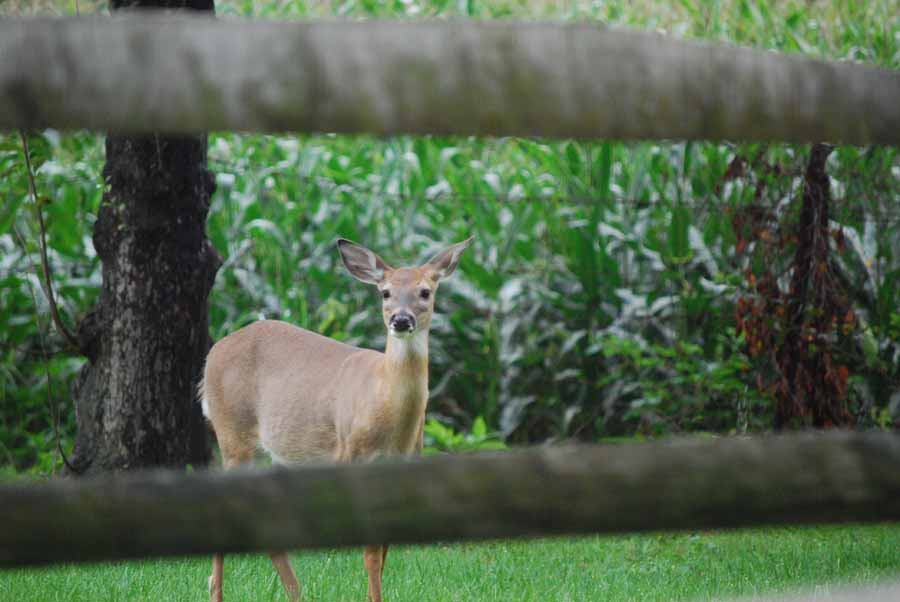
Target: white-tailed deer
[301,396]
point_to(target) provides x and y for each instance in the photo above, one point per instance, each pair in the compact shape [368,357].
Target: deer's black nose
[403,322]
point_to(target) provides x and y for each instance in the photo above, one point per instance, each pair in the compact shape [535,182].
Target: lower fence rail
[535,492]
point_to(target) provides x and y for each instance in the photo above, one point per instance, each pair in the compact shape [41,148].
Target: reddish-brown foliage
[796,322]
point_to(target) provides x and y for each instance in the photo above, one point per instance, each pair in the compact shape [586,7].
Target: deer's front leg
[215,580]
[374,559]
[282,564]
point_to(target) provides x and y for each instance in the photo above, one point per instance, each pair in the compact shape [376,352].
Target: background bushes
[598,299]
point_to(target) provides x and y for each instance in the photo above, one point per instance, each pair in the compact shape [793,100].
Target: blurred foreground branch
[581,81]
[801,479]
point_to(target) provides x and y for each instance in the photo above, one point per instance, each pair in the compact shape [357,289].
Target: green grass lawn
[642,567]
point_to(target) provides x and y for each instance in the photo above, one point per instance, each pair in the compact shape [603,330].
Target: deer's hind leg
[235,451]
[282,562]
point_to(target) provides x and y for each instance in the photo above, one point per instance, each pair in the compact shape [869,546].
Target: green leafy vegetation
[642,568]
[440,438]
[598,299]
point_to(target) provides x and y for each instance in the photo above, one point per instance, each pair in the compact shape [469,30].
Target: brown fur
[303,397]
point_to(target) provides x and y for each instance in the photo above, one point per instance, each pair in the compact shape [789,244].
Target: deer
[300,396]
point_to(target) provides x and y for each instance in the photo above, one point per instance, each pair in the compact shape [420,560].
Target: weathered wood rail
[180,74]
[545,491]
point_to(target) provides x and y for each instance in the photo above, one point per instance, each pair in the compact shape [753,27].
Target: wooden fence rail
[544,491]
[134,74]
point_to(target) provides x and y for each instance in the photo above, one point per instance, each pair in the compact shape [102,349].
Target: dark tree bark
[147,338]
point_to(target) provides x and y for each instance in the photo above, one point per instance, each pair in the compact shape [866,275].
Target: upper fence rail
[184,74]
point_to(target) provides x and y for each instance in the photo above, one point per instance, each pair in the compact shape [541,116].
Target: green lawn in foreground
[645,567]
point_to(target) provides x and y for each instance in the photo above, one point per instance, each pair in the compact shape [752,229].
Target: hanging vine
[798,320]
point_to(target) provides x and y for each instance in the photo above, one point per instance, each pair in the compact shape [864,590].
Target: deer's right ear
[362,263]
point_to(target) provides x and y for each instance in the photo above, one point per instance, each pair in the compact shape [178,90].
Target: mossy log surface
[180,74]
[536,492]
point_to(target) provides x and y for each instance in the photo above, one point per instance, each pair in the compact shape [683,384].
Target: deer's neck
[406,370]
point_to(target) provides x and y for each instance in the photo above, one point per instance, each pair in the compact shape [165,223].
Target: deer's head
[407,293]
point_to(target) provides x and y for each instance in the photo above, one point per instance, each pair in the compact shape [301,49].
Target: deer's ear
[444,263]
[362,263]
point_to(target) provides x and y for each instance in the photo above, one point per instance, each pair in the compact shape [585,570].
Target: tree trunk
[147,338]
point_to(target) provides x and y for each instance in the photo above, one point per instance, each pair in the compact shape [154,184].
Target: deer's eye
[386,294]
[425,293]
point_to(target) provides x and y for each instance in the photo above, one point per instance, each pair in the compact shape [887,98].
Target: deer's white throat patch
[408,345]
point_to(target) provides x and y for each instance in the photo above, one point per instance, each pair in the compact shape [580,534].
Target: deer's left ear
[444,263]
